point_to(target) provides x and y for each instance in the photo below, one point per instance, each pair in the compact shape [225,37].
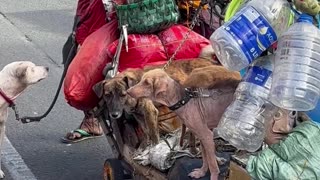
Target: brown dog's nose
[129,92]
[115,115]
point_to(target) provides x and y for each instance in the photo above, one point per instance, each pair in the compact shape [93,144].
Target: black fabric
[183,166]
[69,49]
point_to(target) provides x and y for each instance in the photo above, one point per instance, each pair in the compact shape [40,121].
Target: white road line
[13,162]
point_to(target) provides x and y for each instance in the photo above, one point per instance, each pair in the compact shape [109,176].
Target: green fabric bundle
[148,16]
[295,158]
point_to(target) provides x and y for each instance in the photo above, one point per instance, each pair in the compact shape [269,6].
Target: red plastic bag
[86,68]
[142,50]
[172,37]
[92,17]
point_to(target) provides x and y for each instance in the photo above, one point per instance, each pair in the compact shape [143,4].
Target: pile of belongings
[295,156]
[97,33]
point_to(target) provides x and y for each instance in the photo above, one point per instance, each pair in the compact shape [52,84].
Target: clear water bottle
[296,81]
[243,122]
[250,32]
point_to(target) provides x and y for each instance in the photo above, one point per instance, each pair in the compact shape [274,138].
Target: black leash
[28,119]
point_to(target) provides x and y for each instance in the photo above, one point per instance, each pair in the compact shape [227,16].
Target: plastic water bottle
[243,122]
[250,32]
[296,83]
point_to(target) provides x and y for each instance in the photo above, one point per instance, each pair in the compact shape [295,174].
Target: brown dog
[114,93]
[198,114]
[280,126]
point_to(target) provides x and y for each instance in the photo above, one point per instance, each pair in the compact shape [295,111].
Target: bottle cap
[305,18]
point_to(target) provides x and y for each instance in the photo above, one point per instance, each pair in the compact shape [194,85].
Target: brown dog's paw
[197,173]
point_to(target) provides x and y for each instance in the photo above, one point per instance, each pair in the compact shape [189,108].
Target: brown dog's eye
[278,115]
[148,82]
[145,82]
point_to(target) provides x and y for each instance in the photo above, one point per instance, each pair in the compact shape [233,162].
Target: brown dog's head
[114,92]
[280,125]
[153,85]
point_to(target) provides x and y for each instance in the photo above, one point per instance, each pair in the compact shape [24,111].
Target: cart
[122,165]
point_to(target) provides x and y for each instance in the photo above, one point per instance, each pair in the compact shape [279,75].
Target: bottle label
[251,31]
[259,76]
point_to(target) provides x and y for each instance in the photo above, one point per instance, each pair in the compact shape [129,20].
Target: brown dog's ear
[98,88]
[160,85]
[21,72]
[129,81]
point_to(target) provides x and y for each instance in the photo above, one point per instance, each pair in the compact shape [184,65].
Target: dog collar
[188,95]
[6,98]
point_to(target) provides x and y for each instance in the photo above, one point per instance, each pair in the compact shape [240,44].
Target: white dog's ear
[98,88]
[21,72]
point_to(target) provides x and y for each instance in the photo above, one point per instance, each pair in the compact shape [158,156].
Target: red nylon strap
[5,97]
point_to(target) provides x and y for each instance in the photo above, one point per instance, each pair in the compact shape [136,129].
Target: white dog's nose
[47,68]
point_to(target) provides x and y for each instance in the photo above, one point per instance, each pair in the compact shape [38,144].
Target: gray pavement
[36,30]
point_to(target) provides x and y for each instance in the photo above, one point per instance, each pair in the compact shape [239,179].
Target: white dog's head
[25,72]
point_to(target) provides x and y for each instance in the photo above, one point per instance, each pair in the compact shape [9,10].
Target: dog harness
[7,99]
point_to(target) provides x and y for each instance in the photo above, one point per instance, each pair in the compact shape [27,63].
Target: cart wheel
[113,170]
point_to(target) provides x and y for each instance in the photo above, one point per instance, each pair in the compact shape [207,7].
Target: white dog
[14,78]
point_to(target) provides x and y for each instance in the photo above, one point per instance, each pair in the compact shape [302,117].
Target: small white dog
[14,78]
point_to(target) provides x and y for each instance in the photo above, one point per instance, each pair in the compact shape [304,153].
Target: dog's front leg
[210,153]
[200,172]
[150,113]
[2,133]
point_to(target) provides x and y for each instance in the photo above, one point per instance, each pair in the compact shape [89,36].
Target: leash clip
[24,120]
[16,112]
[196,93]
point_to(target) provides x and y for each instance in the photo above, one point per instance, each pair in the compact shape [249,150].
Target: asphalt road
[36,30]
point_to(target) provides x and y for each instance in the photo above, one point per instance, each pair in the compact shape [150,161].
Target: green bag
[147,16]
